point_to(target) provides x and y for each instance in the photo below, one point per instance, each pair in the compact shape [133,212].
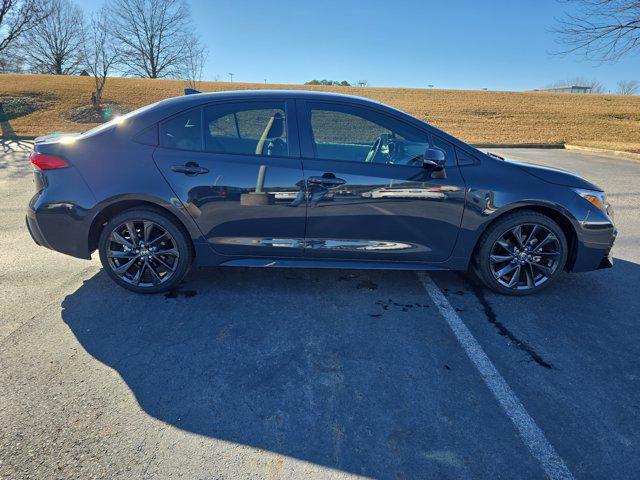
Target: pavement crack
[502,329]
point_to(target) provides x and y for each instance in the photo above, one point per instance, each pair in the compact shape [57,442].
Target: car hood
[556,176]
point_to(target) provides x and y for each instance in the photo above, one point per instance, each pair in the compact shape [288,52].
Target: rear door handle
[190,168]
[326,181]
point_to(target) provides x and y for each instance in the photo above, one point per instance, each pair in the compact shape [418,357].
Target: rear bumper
[60,227]
[34,231]
[57,216]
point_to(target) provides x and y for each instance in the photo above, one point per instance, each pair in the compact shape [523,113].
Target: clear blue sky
[461,44]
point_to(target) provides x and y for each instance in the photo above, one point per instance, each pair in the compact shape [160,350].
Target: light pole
[231,77]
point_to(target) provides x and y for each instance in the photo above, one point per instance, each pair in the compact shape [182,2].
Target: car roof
[257,94]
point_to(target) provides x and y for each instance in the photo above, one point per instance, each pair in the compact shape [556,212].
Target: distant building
[566,89]
[84,73]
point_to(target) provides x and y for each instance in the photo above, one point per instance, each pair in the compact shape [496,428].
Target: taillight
[47,162]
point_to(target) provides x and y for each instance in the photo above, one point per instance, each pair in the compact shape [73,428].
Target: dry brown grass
[474,116]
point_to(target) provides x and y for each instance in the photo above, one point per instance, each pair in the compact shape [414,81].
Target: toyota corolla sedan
[245,178]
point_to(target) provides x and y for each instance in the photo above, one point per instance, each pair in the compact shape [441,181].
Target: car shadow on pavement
[351,370]
[345,369]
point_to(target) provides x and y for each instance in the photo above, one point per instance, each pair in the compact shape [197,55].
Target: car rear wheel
[145,251]
[521,253]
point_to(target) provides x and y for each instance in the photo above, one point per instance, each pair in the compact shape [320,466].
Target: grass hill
[38,104]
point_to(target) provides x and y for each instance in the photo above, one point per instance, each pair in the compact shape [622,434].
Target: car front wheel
[145,251]
[521,253]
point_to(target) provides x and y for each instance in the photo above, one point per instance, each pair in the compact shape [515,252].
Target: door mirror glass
[433,158]
[433,161]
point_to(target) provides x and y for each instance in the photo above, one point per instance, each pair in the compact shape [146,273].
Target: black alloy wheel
[525,256]
[145,251]
[521,253]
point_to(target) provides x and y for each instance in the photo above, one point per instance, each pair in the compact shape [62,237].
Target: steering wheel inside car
[380,147]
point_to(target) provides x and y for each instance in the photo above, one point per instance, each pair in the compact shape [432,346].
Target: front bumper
[606,262]
[595,242]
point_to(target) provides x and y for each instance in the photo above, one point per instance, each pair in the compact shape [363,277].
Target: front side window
[247,128]
[350,133]
[183,132]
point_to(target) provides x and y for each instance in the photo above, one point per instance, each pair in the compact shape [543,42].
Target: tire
[537,259]
[161,251]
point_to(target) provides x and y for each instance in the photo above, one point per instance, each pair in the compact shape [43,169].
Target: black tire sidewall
[495,231]
[180,236]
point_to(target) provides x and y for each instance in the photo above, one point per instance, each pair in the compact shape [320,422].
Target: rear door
[369,197]
[231,164]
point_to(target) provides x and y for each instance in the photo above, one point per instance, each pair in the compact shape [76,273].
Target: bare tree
[596,86]
[604,30]
[153,35]
[100,52]
[54,45]
[11,60]
[628,87]
[195,56]
[18,17]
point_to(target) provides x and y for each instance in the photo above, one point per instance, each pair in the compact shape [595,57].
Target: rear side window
[183,132]
[246,128]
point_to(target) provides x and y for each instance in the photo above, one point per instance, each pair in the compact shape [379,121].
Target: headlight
[596,198]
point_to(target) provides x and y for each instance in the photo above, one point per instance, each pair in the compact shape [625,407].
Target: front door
[368,195]
[236,168]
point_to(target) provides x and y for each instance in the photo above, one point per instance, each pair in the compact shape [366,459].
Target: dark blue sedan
[306,179]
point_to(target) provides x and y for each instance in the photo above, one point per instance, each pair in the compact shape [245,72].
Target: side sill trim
[306,263]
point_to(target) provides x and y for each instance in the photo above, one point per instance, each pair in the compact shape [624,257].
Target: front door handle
[190,168]
[326,181]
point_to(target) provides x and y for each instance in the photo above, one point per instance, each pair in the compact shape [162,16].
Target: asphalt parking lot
[317,374]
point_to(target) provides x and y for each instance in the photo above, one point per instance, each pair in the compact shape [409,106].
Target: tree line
[141,38]
[336,83]
[624,87]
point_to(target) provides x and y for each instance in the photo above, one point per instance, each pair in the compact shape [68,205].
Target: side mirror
[433,160]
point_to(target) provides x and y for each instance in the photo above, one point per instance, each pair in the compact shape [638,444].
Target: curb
[603,151]
[566,146]
[518,145]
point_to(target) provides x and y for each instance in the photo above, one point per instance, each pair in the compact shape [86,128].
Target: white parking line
[531,434]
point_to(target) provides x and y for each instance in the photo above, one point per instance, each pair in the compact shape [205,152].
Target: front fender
[483,207]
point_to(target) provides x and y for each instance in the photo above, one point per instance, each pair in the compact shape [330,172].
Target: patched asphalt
[245,373]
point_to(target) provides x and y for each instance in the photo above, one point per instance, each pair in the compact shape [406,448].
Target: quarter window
[256,128]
